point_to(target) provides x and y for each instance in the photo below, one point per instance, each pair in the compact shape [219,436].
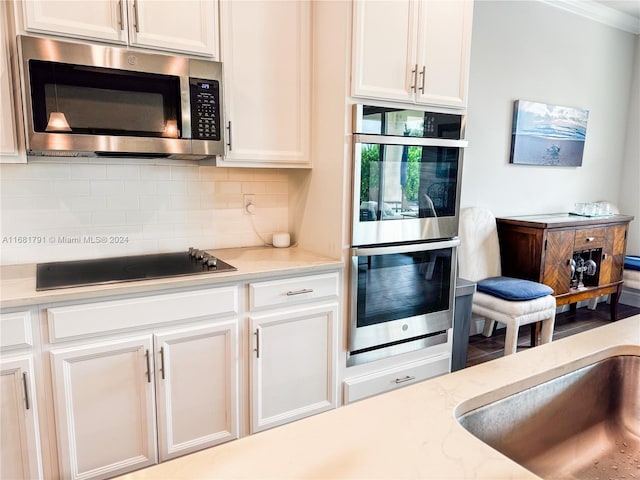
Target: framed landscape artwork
[546,134]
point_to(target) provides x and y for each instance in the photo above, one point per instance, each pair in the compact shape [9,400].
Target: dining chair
[511,301]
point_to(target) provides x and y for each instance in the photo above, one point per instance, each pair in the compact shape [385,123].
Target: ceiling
[630,7]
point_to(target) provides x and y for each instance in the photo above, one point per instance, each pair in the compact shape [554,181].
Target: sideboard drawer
[589,238]
[293,290]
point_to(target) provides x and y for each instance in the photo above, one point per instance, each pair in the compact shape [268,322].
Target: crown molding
[599,13]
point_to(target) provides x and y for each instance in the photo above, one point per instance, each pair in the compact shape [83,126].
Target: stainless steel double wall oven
[406,190]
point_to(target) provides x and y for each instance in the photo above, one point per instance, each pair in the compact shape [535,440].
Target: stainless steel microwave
[92,100]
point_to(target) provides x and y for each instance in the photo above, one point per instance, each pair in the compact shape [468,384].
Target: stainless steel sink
[583,425]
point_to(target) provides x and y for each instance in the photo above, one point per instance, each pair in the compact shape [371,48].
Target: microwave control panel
[205,109]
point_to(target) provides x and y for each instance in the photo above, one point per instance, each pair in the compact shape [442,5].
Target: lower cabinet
[293,368]
[19,438]
[109,394]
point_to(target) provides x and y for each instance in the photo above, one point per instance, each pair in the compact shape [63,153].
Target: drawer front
[589,238]
[386,380]
[293,290]
[119,315]
[15,330]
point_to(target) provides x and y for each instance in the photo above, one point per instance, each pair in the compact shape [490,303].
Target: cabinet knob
[590,239]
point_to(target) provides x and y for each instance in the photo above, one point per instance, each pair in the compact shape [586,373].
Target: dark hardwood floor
[482,349]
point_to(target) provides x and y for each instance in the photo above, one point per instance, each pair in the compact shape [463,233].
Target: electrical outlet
[248,200]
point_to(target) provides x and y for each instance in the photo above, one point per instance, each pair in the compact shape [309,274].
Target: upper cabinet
[11,148]
[266,50]
[188,26]
[412,51]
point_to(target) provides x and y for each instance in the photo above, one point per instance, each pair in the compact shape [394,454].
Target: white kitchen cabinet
[20,452]
[123,400]
[188,26]
[266,50]
[294,348]
[104,407]
[412,51]
[11,146]
[196,385]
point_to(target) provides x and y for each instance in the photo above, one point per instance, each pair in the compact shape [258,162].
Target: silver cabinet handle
[229,142]
[120,15]
[590,239]
[414,78]
[257,349]
[408,378]
[299,292]
[146,354]
[136,22]
[26,390]
[423,73]
[162,361]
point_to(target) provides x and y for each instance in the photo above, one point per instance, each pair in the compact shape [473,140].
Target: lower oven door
[401,293]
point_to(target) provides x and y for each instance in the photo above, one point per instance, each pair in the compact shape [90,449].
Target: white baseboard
[630,297]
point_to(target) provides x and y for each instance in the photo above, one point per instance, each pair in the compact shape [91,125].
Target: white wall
[533,51]
[47,207]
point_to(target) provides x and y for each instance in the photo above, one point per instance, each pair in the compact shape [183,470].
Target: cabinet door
[384,49]
[293,370]
[266,49]
[196,388]
[104,20]
[189,26]
[20,452]
[612,264]
[557,255]
[443,52]
[104,407]
[10,122]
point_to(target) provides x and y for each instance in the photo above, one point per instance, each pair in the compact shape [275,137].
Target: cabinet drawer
[292,290]
[15,330]
[365,386]
[589,238]
[118,315]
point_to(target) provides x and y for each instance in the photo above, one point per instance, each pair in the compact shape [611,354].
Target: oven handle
[404,248]
[410,141]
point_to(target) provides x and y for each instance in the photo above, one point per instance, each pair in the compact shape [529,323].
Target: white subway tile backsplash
[156,207]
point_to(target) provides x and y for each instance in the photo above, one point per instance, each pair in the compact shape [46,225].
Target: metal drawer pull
[162,361]
[146,354]
[424,74]
[136,22]
[120,15]
[299,292]
[26,391]
[408,378]
[590,239]
[414,79]
[257,349]
[229,142]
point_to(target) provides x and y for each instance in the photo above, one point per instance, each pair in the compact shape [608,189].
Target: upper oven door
[407,171]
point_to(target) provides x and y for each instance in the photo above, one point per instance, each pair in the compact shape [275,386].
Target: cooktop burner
[127,269]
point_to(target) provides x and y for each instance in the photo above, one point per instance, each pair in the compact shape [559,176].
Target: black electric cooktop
[127,269]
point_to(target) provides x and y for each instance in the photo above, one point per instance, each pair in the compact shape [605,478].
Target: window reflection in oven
[402,285]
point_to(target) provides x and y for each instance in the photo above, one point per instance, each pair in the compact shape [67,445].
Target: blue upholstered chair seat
[513,289]
[632,262]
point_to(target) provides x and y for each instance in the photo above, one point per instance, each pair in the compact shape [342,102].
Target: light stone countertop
[18,282]
[407,433]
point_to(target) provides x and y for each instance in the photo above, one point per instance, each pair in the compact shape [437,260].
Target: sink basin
[584,424]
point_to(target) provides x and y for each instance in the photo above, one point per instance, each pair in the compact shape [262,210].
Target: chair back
[479,251]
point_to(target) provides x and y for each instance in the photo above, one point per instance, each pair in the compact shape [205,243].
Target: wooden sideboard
[541,248]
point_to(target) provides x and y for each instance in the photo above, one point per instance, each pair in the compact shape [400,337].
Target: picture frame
[545,134]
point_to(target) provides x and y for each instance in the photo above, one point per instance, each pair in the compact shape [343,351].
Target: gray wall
[533,51]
